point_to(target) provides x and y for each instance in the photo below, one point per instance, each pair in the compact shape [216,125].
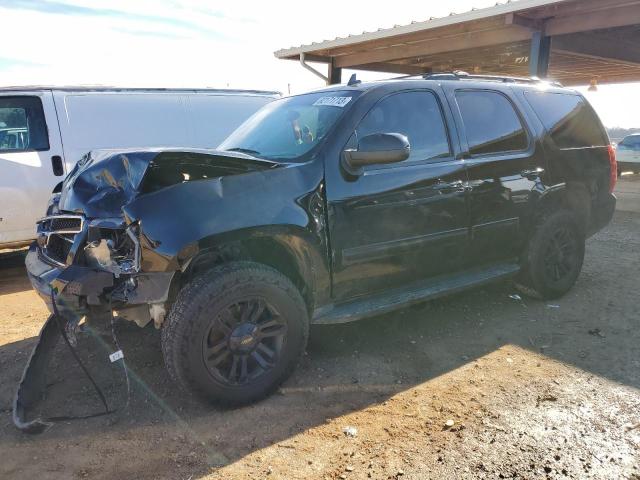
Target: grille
[56,235]
[58,247]
[66,223]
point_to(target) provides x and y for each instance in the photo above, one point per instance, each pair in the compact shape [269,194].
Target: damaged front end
[87,261]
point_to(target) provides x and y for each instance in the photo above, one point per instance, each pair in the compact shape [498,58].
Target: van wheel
[235,333]
[554,257]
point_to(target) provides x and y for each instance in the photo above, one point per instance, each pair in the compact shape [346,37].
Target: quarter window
[491,123]
[415,114]
[22,124]
[571,122]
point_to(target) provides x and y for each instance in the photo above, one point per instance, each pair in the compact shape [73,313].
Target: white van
[45,131]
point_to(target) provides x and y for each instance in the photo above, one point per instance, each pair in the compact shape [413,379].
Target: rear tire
[554,257]
[235,333]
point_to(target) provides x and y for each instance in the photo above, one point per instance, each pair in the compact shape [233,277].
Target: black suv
[323,208]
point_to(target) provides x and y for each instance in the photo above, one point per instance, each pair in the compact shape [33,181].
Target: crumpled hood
[103,181]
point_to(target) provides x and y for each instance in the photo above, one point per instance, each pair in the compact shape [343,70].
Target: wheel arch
[572,196]
[290,250]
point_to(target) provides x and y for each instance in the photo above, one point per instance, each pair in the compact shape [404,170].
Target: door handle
[532,174]
[447,187]
[56,165]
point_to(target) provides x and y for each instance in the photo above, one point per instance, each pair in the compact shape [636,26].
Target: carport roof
[590,39]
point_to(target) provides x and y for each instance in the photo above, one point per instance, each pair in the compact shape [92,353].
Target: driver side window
[415,114]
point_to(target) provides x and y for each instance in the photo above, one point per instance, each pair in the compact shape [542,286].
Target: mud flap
[33,382]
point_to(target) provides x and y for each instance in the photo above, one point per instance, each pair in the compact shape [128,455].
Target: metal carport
[572,41]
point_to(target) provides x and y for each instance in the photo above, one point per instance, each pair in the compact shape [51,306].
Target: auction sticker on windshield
[332,101]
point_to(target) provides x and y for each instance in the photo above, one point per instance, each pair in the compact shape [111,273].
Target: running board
[427,290]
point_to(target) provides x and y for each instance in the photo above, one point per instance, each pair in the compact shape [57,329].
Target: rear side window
[491,123]
[415,114]
[570,121]
[22,125]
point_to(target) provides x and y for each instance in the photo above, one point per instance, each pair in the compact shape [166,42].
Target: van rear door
[31,162]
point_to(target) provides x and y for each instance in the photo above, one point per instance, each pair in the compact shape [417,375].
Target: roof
[590,39]
[101,88]
[417,26]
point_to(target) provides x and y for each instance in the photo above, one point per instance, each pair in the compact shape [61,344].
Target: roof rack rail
[458,75]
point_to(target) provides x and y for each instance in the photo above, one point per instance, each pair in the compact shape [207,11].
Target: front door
[31,162]
[397,224]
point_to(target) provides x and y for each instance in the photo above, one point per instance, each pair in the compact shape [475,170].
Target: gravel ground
[478,385]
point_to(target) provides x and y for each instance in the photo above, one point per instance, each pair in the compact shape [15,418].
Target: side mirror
[378,148]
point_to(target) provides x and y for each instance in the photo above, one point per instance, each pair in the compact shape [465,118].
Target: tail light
[613,168]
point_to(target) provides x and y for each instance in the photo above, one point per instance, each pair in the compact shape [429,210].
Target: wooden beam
[601,19]
[577,7]
[526,22]
[486,38]
[417,37]
[597,46]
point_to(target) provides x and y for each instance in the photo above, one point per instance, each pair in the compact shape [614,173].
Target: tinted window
[414,114]
[568,118]
[22,124]
[491,123]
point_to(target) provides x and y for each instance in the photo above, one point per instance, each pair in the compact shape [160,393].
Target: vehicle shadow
[347,368]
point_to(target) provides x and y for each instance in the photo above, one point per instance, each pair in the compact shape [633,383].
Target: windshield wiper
[248,151]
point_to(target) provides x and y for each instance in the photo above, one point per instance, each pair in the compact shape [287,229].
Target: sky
[210,43]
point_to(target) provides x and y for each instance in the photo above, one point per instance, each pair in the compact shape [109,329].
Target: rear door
[504,166]
[398,224]
[31,162]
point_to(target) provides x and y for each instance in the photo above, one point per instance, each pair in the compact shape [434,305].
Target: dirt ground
[478,385]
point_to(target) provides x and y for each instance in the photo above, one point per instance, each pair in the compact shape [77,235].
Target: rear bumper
[602,213]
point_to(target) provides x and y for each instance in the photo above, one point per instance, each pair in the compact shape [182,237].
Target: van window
[571,121]
[415,114]
[22,125]
[490,122]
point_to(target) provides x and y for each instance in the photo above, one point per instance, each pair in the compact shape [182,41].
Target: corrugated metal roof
[453,18]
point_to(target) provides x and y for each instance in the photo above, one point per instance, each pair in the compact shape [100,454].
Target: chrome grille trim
[62,228]
[70,219]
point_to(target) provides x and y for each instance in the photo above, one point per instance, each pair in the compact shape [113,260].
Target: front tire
[236,333]
[554,257]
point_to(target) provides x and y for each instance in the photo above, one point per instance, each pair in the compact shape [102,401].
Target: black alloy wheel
[235,333]
[244,341]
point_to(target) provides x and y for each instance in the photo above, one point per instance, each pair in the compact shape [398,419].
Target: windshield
[289,128]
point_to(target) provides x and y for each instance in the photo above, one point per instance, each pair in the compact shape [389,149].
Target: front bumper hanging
[32,386]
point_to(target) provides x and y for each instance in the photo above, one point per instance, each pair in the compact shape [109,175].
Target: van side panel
[93,120]
[214,117]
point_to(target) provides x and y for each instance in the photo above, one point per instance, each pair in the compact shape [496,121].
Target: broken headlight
[112,246]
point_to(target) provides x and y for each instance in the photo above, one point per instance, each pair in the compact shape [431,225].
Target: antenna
[353,80]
